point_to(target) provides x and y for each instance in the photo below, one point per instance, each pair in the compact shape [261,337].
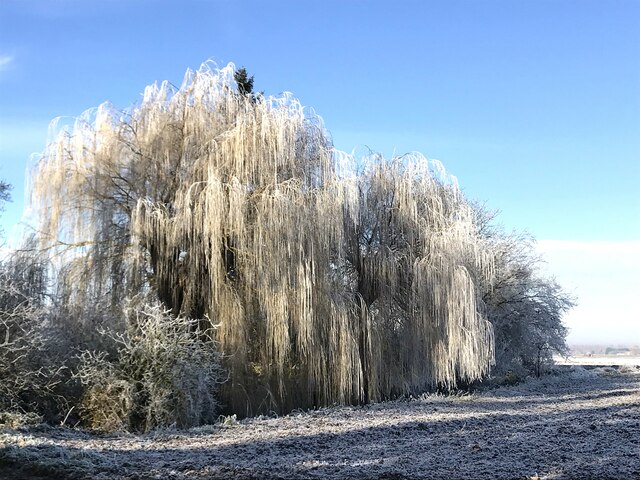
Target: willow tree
[323,285]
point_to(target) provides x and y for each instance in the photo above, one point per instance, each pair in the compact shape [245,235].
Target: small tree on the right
[525,308]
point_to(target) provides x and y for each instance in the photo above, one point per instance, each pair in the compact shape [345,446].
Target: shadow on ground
[580,429]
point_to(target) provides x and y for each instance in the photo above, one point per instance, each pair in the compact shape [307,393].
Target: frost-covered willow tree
[323,285]
[409,251]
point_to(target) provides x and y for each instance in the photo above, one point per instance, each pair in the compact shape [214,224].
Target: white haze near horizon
[602,275]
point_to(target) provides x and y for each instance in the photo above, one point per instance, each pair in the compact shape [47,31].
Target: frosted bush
[166,372]
[32,375]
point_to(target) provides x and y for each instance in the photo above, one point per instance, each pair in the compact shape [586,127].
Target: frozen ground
[578,424]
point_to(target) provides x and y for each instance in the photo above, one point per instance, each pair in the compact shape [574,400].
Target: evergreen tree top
[244,81]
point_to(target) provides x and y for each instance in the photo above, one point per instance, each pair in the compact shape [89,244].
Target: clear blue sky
[533,104]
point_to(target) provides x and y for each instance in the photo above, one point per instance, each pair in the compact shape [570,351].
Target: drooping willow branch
[326,286]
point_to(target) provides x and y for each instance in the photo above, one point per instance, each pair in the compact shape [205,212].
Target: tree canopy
[321,277]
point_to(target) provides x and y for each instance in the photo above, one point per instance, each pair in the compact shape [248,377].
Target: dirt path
[579,424]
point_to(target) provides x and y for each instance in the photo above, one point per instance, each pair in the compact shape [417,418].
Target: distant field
[600,360]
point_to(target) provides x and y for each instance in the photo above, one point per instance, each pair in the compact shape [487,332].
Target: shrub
[33,374]
[164,372]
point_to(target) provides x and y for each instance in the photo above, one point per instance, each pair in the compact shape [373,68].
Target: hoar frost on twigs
[525,308]
[32,371]
[326,286]
[162,374]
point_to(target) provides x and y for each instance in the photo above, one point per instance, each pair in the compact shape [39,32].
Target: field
[599,360]
[575,423]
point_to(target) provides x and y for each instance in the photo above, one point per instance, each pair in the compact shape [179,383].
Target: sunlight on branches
[325,286]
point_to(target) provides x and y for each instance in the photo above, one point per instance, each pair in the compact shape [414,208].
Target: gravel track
[576,424]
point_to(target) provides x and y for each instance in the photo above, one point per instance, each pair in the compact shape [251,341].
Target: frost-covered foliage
[326,285]
[408,256]
[165,372]
[32,374]
[525,308]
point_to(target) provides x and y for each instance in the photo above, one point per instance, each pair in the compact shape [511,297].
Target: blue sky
[533,104]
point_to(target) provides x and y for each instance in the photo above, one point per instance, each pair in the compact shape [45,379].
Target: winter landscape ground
[577,422]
